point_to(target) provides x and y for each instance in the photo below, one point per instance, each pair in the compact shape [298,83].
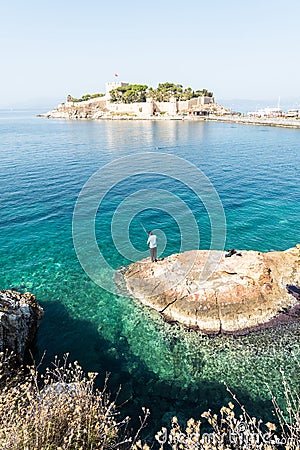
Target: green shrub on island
[134,93]
[84,98]
[138,93]
[61,409]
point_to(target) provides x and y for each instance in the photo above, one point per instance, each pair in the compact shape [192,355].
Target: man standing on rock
[152,245]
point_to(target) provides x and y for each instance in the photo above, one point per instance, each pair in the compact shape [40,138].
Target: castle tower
[110,85]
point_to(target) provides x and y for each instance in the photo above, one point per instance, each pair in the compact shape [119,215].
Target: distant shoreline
[263,121]
[266,121]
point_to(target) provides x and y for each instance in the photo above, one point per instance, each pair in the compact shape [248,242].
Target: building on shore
[274,113]
[266,112]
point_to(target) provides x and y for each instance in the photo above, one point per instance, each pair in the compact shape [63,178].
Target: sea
[77,198]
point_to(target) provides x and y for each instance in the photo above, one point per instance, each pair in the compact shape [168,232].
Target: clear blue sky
[238,49]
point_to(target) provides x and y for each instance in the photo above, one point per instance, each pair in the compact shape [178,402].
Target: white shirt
[152,241]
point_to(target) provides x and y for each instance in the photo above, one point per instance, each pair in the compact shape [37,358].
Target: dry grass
[63,412]
[229,431]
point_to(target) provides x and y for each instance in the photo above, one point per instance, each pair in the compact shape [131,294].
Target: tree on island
[165,91]
[133,93]
[187,94]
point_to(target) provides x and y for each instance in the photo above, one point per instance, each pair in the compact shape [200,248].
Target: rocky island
[247,290]
[169,101]
[136,101]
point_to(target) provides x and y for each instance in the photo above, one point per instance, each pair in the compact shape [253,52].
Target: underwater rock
[215,293]
[20,315]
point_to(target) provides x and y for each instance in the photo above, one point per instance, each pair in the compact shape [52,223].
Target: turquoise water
[45,164]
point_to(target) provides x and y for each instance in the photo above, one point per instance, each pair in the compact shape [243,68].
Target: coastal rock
[93,109]
[244,291]
[20,315]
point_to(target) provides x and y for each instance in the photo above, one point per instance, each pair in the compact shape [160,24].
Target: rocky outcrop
[92,109]
[244,291]
[20,315]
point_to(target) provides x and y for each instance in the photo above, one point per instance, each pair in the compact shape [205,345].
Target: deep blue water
[44,166]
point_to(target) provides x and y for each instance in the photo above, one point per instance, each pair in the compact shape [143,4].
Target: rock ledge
[244,292]
[20,315]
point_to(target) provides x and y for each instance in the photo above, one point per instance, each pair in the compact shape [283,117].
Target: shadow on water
[81,339]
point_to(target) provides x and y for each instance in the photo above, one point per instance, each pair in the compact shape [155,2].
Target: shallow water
[44,165]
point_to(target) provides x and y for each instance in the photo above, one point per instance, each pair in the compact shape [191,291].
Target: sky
[239,49]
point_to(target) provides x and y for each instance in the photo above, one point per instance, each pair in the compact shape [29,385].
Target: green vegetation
[132,93]
[139,92]
[62,410]
[83,98]
[136,93]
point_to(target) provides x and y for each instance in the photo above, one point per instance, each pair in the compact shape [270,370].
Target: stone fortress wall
[150,107]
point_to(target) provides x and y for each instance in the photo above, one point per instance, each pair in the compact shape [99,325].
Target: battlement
[110,85]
